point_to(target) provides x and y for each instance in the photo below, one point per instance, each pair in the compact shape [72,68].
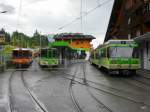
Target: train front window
[44,53]
[50,53]
[55,53]
[121,52]
[21,54]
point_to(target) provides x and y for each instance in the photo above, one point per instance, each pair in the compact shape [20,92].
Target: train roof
[24,49]
[116,42]
[119,42]
[49,49]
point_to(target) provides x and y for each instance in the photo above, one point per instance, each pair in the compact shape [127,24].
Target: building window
[129,21]
[129,36]
[138,33]
[82,42]
[77,42]
[146,8]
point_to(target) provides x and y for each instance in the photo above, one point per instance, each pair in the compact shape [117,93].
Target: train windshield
[49,53]
[55,53]
[22,54]
[44,53]
[121,52]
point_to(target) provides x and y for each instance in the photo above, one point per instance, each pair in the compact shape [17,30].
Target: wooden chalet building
[117,27]
[76,40]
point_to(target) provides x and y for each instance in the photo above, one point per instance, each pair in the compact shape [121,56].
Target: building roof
[68,36]
[113,18]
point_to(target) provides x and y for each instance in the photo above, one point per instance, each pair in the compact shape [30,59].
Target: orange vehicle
[22,57]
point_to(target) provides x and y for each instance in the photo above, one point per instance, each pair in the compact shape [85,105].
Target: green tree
[38,39]
[20,39]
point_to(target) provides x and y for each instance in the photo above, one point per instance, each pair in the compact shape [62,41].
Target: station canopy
[59,44]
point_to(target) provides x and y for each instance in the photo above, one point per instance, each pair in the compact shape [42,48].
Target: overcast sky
[48,16]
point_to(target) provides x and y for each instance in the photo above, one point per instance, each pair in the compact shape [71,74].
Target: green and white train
[117,56]
[48,57]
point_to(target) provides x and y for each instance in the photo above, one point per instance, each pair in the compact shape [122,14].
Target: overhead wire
[18,19]
[84,15]
[81,12]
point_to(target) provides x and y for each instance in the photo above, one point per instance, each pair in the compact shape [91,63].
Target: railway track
[101,84]
[9,93]
[91,94]
[75,102]
[138,81]
[39,107]
[144,83]
[111,93]
[86,83]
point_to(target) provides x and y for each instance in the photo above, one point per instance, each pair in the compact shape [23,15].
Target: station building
[77,44]
[130,19]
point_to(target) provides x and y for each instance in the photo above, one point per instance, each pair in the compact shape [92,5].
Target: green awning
[59,44]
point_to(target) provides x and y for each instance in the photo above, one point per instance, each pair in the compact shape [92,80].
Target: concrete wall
[145,55]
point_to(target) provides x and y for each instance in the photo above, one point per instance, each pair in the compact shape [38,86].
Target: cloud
[34,1]
[5,7]
[48,16]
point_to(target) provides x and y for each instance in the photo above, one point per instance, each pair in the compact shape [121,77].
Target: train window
[49,53]
[43,53]
[26,54]
[15,54]
[107,52]
[113,52]
[92,55]
[118,52]
[103,53]
[22,54]
[55,53]
[97,56]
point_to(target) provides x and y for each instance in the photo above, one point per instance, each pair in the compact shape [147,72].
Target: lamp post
[3,11]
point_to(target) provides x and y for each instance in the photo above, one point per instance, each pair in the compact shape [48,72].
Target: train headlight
[44,63]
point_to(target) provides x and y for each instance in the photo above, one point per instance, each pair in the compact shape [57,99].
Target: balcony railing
[135,21]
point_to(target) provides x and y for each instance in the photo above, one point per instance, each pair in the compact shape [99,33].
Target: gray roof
[145,37]
[68,36]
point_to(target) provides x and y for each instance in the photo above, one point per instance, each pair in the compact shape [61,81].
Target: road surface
[80,87]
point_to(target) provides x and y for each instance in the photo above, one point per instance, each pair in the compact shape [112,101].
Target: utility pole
[40,45]
[81,16]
